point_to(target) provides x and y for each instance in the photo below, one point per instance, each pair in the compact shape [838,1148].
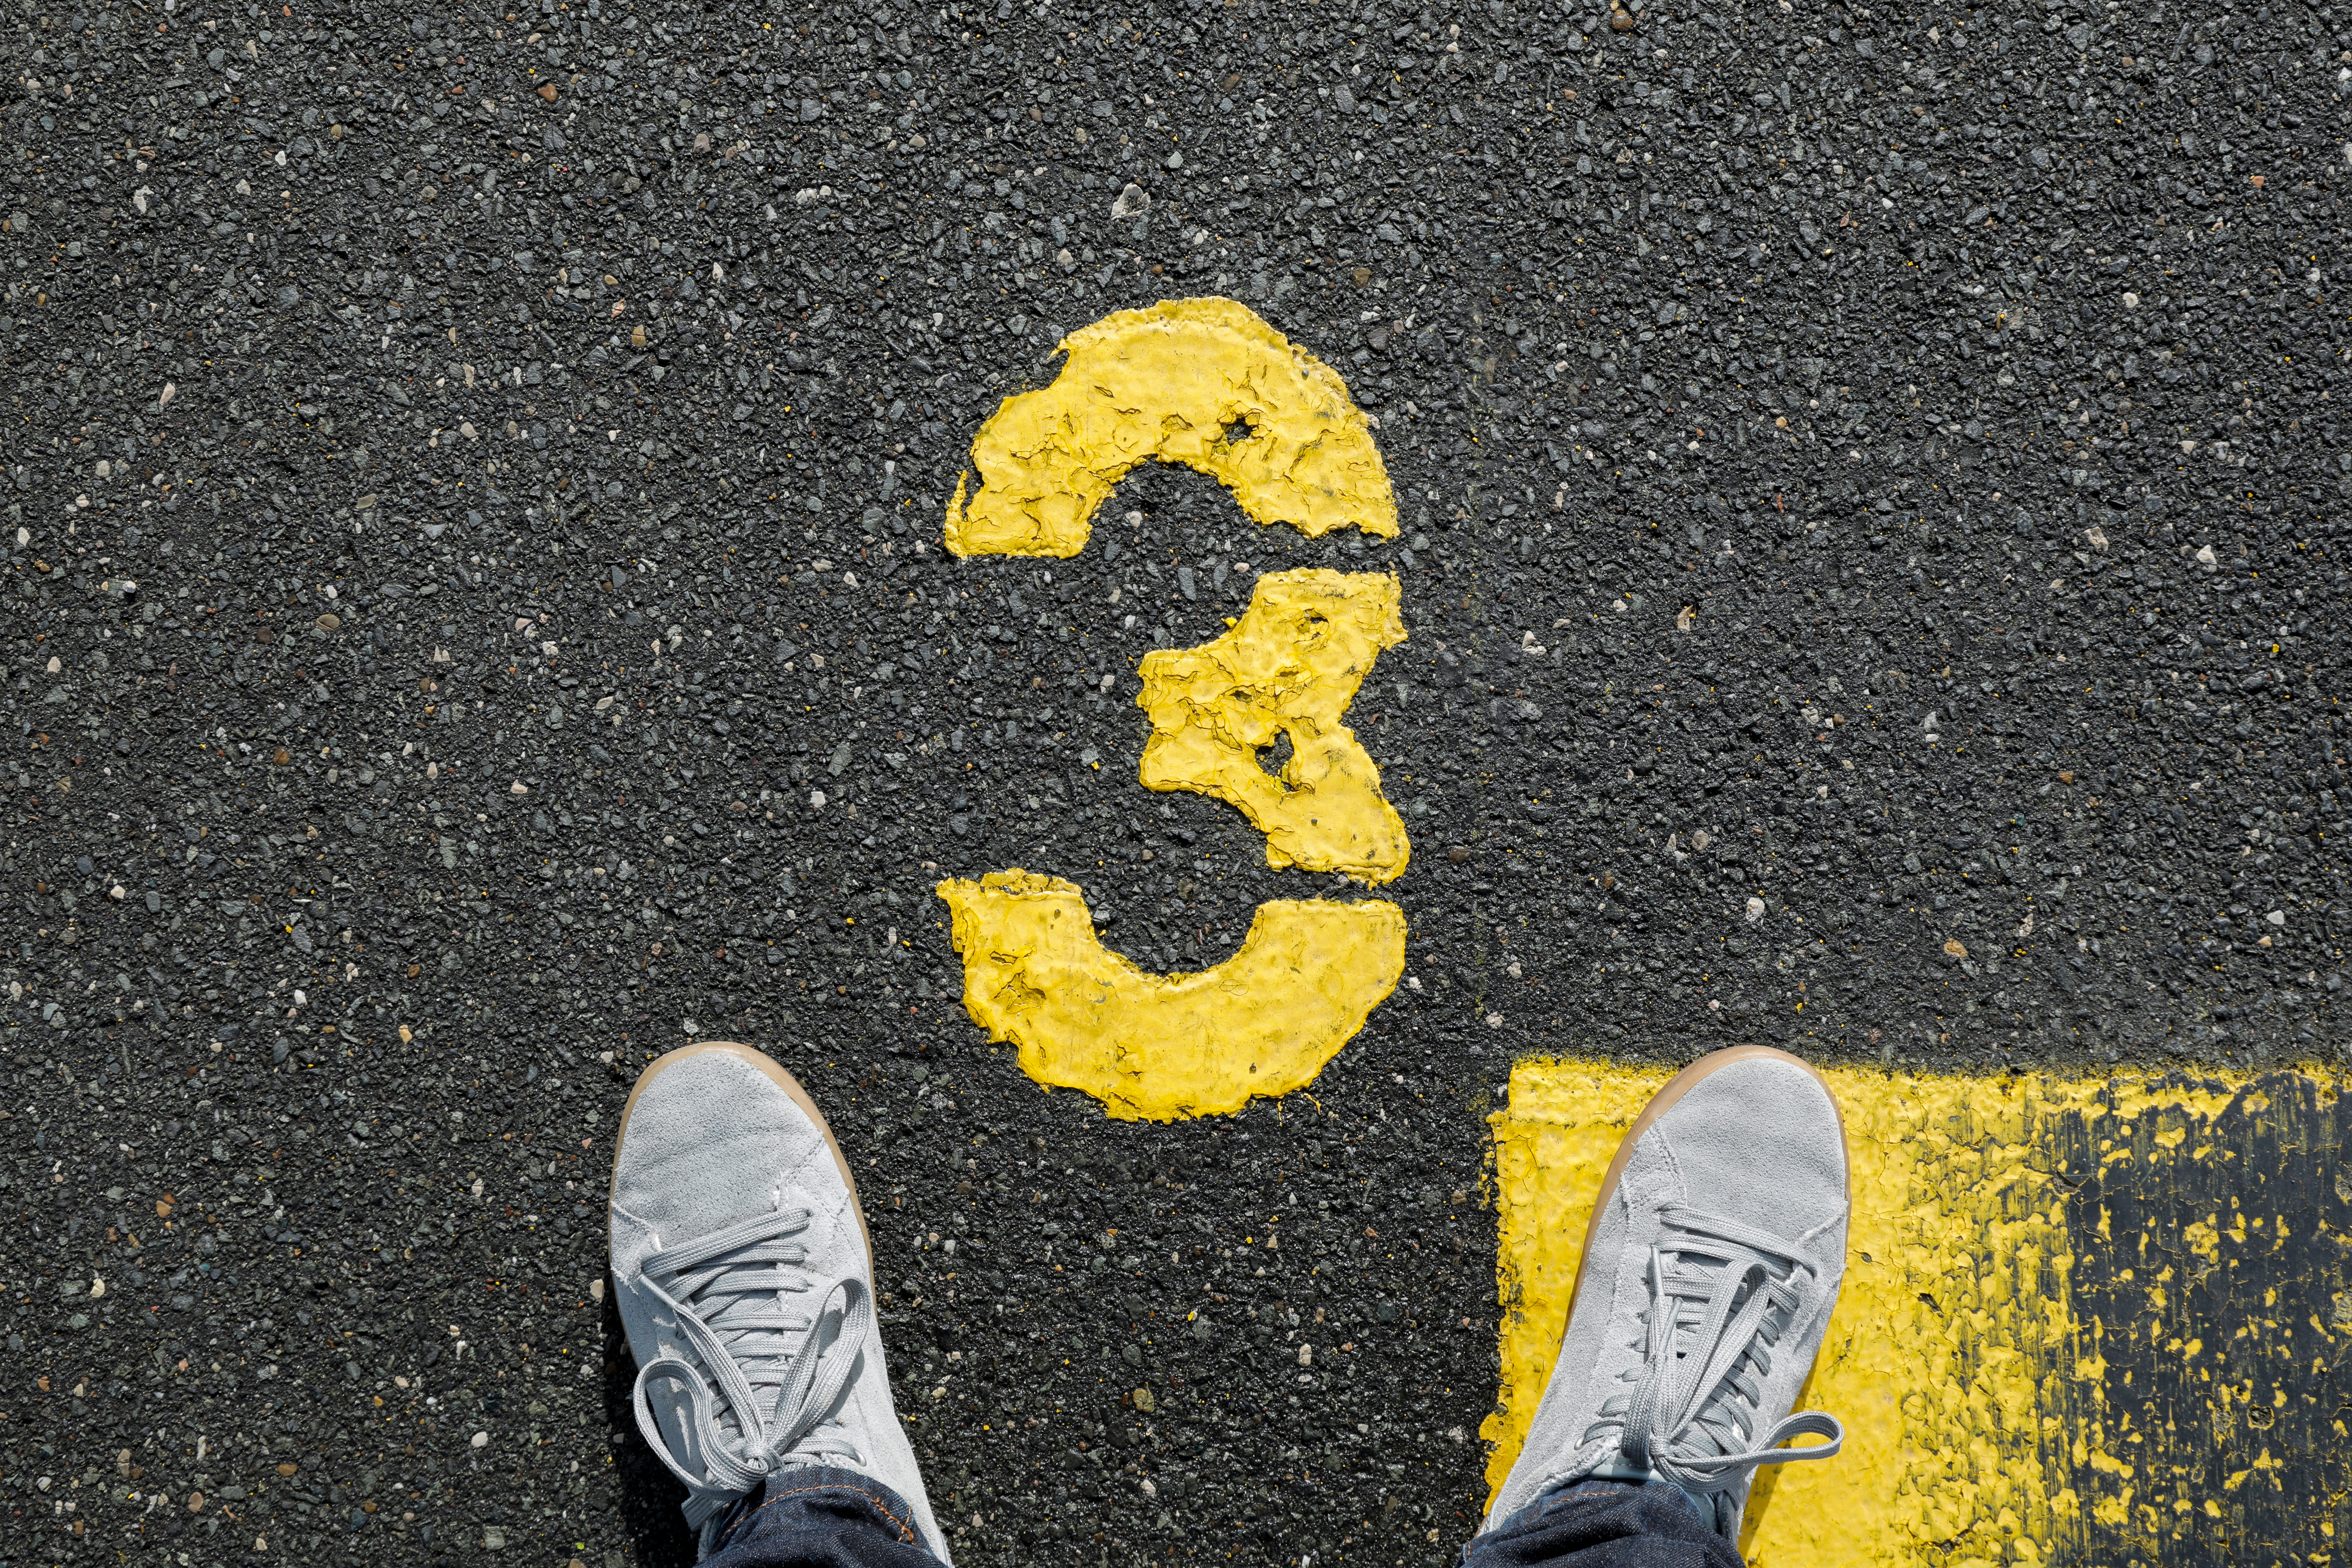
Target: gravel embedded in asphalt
[1871,493]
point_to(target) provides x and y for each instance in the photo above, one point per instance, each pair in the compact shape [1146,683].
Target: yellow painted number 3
[1209,385]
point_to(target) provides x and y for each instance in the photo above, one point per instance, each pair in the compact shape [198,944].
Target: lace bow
[1721,1293]
[764,1381]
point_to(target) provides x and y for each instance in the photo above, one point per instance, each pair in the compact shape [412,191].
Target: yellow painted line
[2019,1379]
[1205,383]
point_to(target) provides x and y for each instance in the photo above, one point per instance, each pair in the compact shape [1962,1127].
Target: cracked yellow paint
[1290,666]
[1162,1047]
[1984,1348]
[1179,382]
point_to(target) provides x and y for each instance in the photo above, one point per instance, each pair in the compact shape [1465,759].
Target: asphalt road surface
[1871,489]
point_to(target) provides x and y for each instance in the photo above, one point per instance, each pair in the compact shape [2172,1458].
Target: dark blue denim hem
[1606,1524]
[819,1518]
[823,1517]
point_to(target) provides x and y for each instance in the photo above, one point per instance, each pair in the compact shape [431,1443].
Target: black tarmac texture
[1872,483]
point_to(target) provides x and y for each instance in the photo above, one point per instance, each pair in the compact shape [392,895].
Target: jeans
[1605,1524]
[838,1519]
[819,1518]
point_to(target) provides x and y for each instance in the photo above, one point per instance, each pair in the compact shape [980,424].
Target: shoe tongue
[812,1452]
[758,1354]
[1683,1343]
[1690,1307]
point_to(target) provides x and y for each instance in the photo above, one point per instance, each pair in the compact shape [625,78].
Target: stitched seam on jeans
[904,1532]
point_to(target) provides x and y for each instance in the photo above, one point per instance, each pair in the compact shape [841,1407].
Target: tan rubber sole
[781,1080]
[1681,1084]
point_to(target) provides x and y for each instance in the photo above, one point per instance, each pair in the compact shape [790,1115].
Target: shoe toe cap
[710,1138]
[1760,1141]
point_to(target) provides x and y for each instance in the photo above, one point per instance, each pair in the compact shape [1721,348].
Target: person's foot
[744,1277]
[1709,1269]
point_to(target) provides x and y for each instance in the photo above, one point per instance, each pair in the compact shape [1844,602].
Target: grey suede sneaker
[1710,1266]
[745,1280]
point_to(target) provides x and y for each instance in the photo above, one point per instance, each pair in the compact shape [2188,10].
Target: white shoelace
[1721,1292]
[764,1381]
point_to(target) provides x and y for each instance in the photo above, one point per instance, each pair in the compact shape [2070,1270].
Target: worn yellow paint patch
[1983,1424]
[1290,666]
[1205,382]
[1164,1047]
